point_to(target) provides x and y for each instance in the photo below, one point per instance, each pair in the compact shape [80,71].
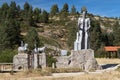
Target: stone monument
[82,39]
[25,60]
[82,56]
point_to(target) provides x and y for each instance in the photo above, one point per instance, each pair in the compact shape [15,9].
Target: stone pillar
[43,60]
[53,65]
[35,61]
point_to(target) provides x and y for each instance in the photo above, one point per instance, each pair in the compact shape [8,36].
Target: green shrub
[100,53]
[7,55]
[64,70]
[50,60]
[118,53]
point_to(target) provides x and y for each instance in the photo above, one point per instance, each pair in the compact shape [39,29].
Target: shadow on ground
[108,66]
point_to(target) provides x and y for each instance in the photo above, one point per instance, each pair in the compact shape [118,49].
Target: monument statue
[82,40]
[23,47]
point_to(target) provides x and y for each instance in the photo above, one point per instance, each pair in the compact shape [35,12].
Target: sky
[109,8]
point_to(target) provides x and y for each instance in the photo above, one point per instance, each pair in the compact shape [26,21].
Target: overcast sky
[110,8]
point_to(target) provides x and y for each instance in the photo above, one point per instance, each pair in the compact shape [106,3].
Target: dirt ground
[105,75]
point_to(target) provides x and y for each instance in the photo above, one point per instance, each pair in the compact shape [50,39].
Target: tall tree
[64,11]
[73,10]
[32,38]
[26,7]
[54,10]
[116,32]
[13,31]
[28,13]
[4,40]
[4,11]
[12,12]
[45,17]
[9,34]
[65,8]
[36,13]
[95,35]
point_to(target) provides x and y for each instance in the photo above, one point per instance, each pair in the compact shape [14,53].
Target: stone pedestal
[35,62]
[42,60]
[24,61]
[20,62]
[83,59]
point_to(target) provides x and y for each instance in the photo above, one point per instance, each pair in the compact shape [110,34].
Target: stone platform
[83,59]
[23,61]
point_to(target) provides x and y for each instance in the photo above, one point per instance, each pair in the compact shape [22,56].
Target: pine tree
[73,10]
[64,11]
[12,12]
[36,13]
[95,35]
[32,38]
[13,30]
[9,34]
[54,10]
[45,17]
[116,32]
[26,7]
[28,13]
[4,40]
[65,8]
[4,11]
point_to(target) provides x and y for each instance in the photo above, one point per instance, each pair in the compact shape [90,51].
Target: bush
[100,53]
[7,56]
[50,60]
[118,53]
[64,70]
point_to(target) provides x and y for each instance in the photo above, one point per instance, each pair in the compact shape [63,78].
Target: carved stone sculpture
[82,40]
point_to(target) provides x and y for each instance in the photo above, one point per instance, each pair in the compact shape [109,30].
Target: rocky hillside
[62,32]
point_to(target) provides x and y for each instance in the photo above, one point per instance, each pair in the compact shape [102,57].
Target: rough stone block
[83,59]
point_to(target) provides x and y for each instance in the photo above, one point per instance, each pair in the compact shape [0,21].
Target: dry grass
[114,75]
[108,61]
[35,75]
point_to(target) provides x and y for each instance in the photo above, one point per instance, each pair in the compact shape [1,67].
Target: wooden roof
[112,48]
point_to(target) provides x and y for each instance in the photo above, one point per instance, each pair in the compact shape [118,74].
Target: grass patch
[64,70]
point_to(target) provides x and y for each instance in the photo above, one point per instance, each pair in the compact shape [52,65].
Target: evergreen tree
[4,11]
[64,11]
[105,39]
[26,7]
[36,13]
[4,38]
[54,10]
[13,30]
[12,12]
[110,39]
[45,17]
[73,10]
[28,13]
[116,31]
[95,35]
[18,13]
[9,34]
[65,8]
[32,38]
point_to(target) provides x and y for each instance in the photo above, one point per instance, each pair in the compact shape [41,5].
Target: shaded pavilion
[112,51]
